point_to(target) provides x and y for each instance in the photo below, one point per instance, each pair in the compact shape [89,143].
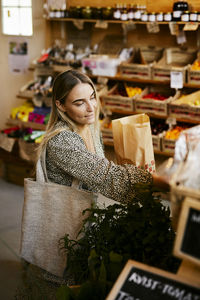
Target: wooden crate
[152,106]
[174,59]
[147,56]
[118,102]
[156,139]
[25,92]
[168,145]
[180,108]
[16,173]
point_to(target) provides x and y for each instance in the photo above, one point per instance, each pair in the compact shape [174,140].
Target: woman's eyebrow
[82,99]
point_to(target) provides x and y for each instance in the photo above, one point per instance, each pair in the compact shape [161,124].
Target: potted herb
[140,230]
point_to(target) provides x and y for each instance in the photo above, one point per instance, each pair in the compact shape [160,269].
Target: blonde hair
[62,86]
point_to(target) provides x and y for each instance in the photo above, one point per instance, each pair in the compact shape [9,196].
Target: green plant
[140,230]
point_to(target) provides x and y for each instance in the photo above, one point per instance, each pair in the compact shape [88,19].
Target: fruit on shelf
[196,66]
[174,133]
[155,96]
[133,91]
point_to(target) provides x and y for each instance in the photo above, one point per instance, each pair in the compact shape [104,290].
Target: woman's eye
[79,103]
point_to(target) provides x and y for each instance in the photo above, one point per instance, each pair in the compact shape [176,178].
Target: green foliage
[140,230]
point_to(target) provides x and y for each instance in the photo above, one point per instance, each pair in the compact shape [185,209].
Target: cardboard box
[174,59]
[152,106]
[183,108]
[141,63]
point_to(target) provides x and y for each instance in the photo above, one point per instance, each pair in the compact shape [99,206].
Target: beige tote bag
[50,211]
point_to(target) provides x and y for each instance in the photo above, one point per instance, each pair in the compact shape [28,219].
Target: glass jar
[97,13]
[107,13]
[198,17]
[75,12]
[178,9]
[152,17]
[124,13]
[185,17]
[168,16]
[117,12]
[193,16]
[159,17]
[137,15]
[144,17]
[86,12]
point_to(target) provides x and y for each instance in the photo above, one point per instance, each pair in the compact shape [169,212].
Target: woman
[73,144]
[74,151]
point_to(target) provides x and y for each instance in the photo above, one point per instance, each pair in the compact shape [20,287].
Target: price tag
[176,79]
[153,27]
[181,37]
[79,24]
[101,24]
[190,26]
[171,120]
[174,28]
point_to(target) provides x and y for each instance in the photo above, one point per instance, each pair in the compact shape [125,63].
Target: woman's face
[81,104]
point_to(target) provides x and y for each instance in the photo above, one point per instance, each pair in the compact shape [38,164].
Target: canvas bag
[133,141]
[50,211]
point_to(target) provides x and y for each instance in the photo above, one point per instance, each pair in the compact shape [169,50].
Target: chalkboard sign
[187,243]
[141,282]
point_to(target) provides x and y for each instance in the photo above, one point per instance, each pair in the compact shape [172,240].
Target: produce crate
[6,143]
[41,70]
[27,151]
[194,73]
[168,145]
[146,56]
[107,135]
[107,59]
[112,101]
[181,108]
[152,106]
[16,172]
[174,59]
[156,139]
[25,91]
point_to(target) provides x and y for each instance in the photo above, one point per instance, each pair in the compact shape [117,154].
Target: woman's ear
[60,106]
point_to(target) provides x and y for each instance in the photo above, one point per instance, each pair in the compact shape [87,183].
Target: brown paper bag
[133,141]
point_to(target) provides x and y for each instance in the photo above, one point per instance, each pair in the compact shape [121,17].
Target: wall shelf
[33,125]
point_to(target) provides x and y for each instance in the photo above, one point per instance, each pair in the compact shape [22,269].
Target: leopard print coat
[67,157]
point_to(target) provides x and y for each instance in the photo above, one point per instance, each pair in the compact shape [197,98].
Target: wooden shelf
[117,111]
[114,21]
[33,125]
[168,154]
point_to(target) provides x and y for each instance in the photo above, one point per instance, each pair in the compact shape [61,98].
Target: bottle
[144,17]
[137,15]
[178,8]
[107,13]
[168,16]
[193,16]
[185,17]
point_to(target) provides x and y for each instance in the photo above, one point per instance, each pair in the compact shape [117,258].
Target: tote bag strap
[41,171]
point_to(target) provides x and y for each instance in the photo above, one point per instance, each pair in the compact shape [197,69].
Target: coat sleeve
[68,152]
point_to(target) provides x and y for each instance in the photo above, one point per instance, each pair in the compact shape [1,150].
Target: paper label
[153,27]
[176,79]
[191,26]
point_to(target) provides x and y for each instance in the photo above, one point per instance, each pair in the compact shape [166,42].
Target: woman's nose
[90,106]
